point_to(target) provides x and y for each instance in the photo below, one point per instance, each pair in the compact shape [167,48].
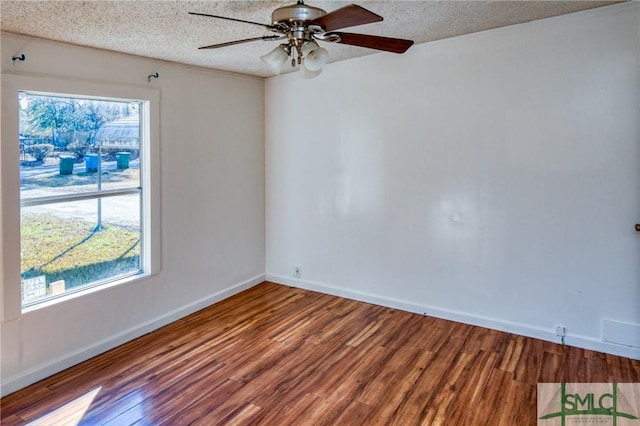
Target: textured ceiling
[164,29]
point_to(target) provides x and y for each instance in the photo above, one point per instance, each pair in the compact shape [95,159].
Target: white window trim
[12,84]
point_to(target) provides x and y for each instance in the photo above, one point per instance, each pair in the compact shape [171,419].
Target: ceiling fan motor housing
[296,13]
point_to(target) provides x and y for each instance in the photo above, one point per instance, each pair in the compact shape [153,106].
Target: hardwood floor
[276,355]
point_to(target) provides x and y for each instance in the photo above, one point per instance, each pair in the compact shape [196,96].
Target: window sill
[84,292]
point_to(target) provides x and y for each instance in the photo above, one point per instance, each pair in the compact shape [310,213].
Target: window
[80,192]
[84,161]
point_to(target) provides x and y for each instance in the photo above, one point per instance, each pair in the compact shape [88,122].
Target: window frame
[10,207]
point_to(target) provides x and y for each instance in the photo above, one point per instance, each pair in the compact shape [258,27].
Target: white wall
[212,207]
[492,178]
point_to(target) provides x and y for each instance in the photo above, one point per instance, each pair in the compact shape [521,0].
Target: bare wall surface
[492,178]
[212,206]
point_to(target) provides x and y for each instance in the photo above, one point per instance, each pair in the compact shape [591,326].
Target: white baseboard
[584,342]
[621,333]
[53,366]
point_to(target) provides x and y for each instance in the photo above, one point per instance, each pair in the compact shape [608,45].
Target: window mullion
[38,201]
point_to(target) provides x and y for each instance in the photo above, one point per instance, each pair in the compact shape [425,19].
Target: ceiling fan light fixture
[301,25]
[277,58]
[315,57]
[306,73]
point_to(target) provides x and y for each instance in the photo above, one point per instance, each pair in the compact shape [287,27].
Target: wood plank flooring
[275,355]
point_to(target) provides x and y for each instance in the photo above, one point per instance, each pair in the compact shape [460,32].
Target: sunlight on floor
[69,414]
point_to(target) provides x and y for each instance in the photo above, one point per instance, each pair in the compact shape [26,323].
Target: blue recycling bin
[91,162]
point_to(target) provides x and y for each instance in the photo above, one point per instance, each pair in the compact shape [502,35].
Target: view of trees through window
[80,192]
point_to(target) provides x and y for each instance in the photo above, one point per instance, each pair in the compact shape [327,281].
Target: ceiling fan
[300,26]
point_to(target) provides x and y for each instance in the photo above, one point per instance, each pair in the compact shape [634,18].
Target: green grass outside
[73,250]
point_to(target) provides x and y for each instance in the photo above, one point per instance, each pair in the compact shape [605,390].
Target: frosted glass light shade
[307,73]
[315,57]
[276,59]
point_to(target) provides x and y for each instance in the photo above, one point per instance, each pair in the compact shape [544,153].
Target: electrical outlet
[297,271]
[560,331]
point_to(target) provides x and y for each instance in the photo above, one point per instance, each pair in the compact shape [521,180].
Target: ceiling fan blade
[246,40]
[348,16]
[271,27]
[388,44]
